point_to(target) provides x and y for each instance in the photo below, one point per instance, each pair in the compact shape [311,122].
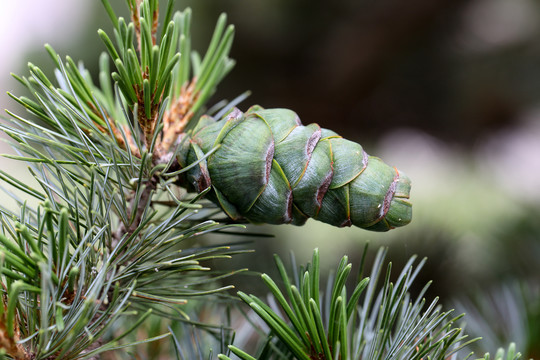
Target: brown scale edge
[203,181]
[388,197]
[288,217]
[268,162]
[268,168]
[323,189]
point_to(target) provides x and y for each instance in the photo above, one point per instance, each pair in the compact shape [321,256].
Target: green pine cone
[269,168]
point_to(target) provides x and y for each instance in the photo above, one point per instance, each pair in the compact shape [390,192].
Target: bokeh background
[446,90]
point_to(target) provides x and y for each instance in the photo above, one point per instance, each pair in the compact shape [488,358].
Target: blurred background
[447,91]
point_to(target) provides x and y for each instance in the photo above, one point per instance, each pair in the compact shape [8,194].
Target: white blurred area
[512,158]
[29,24]
[487,24]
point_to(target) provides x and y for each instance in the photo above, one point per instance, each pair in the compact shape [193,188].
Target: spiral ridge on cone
[269,168]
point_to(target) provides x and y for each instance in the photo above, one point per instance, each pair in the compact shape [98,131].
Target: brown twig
[117,134]
[146,124]
[10,344]
[135,17]
[177,117]
[155,23]
[144,199]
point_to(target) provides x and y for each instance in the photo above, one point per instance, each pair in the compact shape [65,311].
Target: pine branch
[105,242]
[372,322]
[505,354]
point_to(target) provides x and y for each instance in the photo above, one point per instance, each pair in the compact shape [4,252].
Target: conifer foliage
[104,243]
[102,251]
